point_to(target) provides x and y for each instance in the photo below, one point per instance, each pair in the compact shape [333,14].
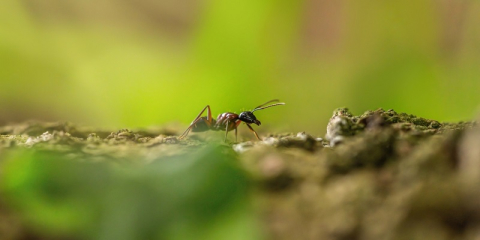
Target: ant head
[248,117]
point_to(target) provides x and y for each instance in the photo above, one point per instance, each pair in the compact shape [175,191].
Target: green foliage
[202,195]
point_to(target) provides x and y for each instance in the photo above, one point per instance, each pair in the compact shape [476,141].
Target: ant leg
[184,134]
[226,130]
[209,121]
[251,129]
[236,134]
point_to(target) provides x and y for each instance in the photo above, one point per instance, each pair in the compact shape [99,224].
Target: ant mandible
[226,121]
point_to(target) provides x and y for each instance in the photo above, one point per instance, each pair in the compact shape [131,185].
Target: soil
[380,175]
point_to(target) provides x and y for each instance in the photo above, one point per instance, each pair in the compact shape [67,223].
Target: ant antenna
[272,105]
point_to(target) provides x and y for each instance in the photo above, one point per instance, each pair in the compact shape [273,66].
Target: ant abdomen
[203,125]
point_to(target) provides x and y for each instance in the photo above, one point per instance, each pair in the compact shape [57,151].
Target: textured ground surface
[381,175]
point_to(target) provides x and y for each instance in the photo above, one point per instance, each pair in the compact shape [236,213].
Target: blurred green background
[129,63]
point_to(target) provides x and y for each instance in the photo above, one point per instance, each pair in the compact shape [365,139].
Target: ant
[227,121]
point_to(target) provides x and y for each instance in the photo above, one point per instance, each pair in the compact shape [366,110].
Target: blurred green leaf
[203,193]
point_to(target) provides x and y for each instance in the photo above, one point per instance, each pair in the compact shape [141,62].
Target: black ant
[226,121]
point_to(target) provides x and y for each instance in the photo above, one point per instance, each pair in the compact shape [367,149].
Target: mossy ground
[380,175]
